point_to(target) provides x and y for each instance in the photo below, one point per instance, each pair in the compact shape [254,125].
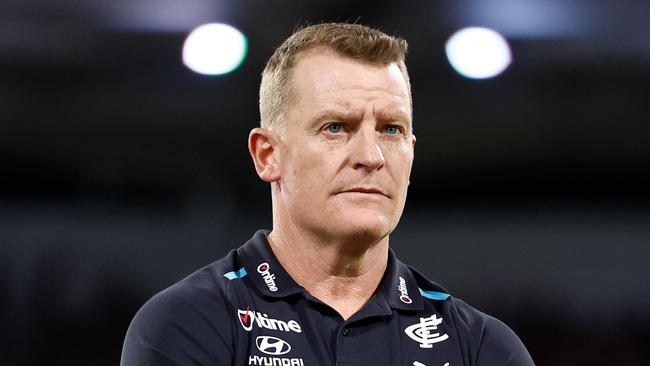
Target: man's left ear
[413,139]
[262,145]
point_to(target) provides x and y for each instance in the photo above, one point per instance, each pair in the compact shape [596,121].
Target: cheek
[305,168]
[402,159]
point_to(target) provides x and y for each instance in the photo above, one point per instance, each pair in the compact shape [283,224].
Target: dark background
[122,171]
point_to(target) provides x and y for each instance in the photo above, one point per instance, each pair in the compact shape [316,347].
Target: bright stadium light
[214,49]
[478,53]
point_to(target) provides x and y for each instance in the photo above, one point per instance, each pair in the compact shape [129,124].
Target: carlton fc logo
[425,333]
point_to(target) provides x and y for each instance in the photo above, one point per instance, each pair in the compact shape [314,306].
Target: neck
[343,274]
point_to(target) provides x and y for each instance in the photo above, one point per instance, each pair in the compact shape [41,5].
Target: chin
[365,227]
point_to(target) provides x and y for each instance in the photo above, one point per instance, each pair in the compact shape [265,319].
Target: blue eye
[392,130]
[334,128]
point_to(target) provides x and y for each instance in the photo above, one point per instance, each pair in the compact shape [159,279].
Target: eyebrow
[398,115]
[348,115]
[345,115]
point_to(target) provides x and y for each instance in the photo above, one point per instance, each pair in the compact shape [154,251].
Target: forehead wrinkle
[345,113]
[349,110]
[336,90]
[361,102]
[334,104]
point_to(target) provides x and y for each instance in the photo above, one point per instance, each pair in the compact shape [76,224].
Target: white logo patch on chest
[272,345]
[248,318]
[424,331]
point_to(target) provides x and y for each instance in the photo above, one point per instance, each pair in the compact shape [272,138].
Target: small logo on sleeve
[424,331]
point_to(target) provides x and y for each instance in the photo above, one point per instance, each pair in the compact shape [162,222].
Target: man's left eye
[392,130]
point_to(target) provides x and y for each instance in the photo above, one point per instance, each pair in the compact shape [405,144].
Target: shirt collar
[265,272]
[398,287]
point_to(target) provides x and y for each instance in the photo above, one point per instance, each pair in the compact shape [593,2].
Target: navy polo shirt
[246,310]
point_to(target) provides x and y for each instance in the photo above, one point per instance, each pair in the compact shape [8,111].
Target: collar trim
[400,287]
[260,267]
[264,270]
[232,275]
[434,295]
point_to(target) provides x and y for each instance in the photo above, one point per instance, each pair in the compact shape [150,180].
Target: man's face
[347,150]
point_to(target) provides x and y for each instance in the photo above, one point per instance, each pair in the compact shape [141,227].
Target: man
[323,287]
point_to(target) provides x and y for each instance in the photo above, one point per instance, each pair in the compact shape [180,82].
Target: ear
[262,145]
[413,139]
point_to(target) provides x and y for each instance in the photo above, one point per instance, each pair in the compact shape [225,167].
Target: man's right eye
[334,128]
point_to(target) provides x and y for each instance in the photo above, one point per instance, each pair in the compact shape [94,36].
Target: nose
[366,151]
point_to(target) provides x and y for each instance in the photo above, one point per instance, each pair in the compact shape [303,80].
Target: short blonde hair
[350,40]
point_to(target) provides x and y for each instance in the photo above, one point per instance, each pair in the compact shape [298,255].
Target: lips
[366,190]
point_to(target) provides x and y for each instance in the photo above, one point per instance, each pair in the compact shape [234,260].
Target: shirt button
[345,331]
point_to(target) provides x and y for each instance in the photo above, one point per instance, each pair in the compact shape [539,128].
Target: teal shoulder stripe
[236,274]
[434,295]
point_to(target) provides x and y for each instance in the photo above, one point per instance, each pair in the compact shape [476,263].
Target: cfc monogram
[422,332]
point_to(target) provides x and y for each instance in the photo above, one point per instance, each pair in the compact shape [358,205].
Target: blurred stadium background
[123,171]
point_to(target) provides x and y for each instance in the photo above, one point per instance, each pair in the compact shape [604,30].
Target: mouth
[364,190]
